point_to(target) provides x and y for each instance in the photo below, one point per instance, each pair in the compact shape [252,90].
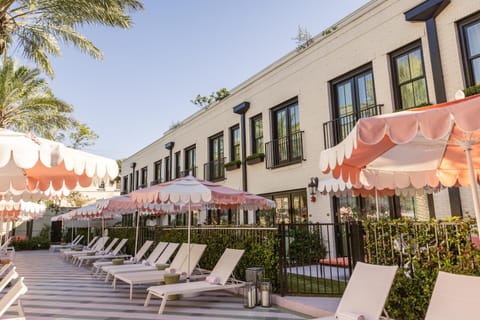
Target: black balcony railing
[334,131]
[214,170]
[284,151]
[189,172]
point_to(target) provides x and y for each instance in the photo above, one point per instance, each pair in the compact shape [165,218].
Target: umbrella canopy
[20,210]
[430,146]
[200,194]
[38,165]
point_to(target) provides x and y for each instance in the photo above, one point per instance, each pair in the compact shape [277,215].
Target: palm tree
[28,104]
[38,26]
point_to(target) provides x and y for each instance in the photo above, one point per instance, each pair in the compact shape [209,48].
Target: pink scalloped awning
[422,147]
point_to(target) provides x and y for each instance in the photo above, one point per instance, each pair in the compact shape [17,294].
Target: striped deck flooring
[59,290]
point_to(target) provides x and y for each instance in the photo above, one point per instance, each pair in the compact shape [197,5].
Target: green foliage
[253,156]
[232,164]
[125,232]
[470,91]
[36,243]
[421,249]
[306,247]
[303,39]
[202,101]
[37,27]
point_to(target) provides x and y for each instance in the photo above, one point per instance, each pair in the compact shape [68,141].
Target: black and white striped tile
[59,290]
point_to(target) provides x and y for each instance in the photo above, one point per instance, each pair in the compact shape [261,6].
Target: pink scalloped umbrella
[430,146]
[192,193]
[29,163]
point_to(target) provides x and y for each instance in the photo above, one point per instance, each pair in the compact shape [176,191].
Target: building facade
[267,135]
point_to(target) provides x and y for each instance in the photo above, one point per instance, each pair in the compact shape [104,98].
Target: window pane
[294,119]
[344,98]
[281,123]
[403,69]
[365,91]
[473,38]
[476,70]
[416,68]
[282,205]
[420,91]
[406,92]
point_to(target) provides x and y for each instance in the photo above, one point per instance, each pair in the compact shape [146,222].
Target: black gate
[318,258]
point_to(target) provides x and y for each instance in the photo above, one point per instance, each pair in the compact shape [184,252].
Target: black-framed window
[235,143]
[291,207]
[125,184]
[256,126]
[286,132]
[469,29]
[190,161]
[178,165]
[168,175]
[143,177]
[410,82]
[353,95]
[131,182]
[215,167]
[157,172]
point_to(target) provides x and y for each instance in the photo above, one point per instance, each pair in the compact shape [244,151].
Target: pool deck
[59,290]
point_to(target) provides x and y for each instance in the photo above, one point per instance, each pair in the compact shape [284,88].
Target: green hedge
[35,243]
[427,248]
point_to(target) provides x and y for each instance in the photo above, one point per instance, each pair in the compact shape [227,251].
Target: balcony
[189,172]
[334,131]
[214,170]
[284,151]
[155,182]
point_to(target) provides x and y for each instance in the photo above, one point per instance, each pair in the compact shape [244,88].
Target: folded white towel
[349,316]
[213,280]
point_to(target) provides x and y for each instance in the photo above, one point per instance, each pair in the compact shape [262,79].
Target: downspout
[241,109]
[426,12]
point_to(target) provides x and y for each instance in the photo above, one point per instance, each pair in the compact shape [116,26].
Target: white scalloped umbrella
[29,163]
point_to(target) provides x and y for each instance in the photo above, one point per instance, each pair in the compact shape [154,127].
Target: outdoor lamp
[313,188]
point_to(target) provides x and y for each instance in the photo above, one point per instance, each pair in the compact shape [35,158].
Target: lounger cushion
[349,316]
[213,280]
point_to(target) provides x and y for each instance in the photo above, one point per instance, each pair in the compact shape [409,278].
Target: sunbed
[454,296]
[366,292]
[97,266]
[12,274]
[13,295]
[179,265]
[220,278]
[57,247]
[74,257]
[96,241]
[115,253]
[144,266]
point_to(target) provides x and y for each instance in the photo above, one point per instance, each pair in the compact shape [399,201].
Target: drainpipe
[169,146]
[241,109]
[426,12]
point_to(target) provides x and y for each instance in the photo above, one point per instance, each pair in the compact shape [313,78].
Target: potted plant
[470,91]
[255,158]
[232,165]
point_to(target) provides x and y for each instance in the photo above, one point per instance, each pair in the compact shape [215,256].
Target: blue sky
[176,50]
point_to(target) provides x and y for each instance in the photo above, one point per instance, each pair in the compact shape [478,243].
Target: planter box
[255,160]
[233,167]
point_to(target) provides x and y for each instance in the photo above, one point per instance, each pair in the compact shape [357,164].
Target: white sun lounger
[12,274]
[115,253]
[180,265]
[366,292]
[97,266]
[57,247]
[107,250]
[89,246]
[221,273]
[96,246]
[13,295]
[454,296]
[147,266]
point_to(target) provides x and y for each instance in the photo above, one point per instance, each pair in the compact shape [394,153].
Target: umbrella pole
[188,235]
[376,204]
[88,231]
[71,232]
[473,185]
[136,231]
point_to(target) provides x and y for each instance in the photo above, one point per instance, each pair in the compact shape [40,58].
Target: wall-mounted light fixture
[313,188]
